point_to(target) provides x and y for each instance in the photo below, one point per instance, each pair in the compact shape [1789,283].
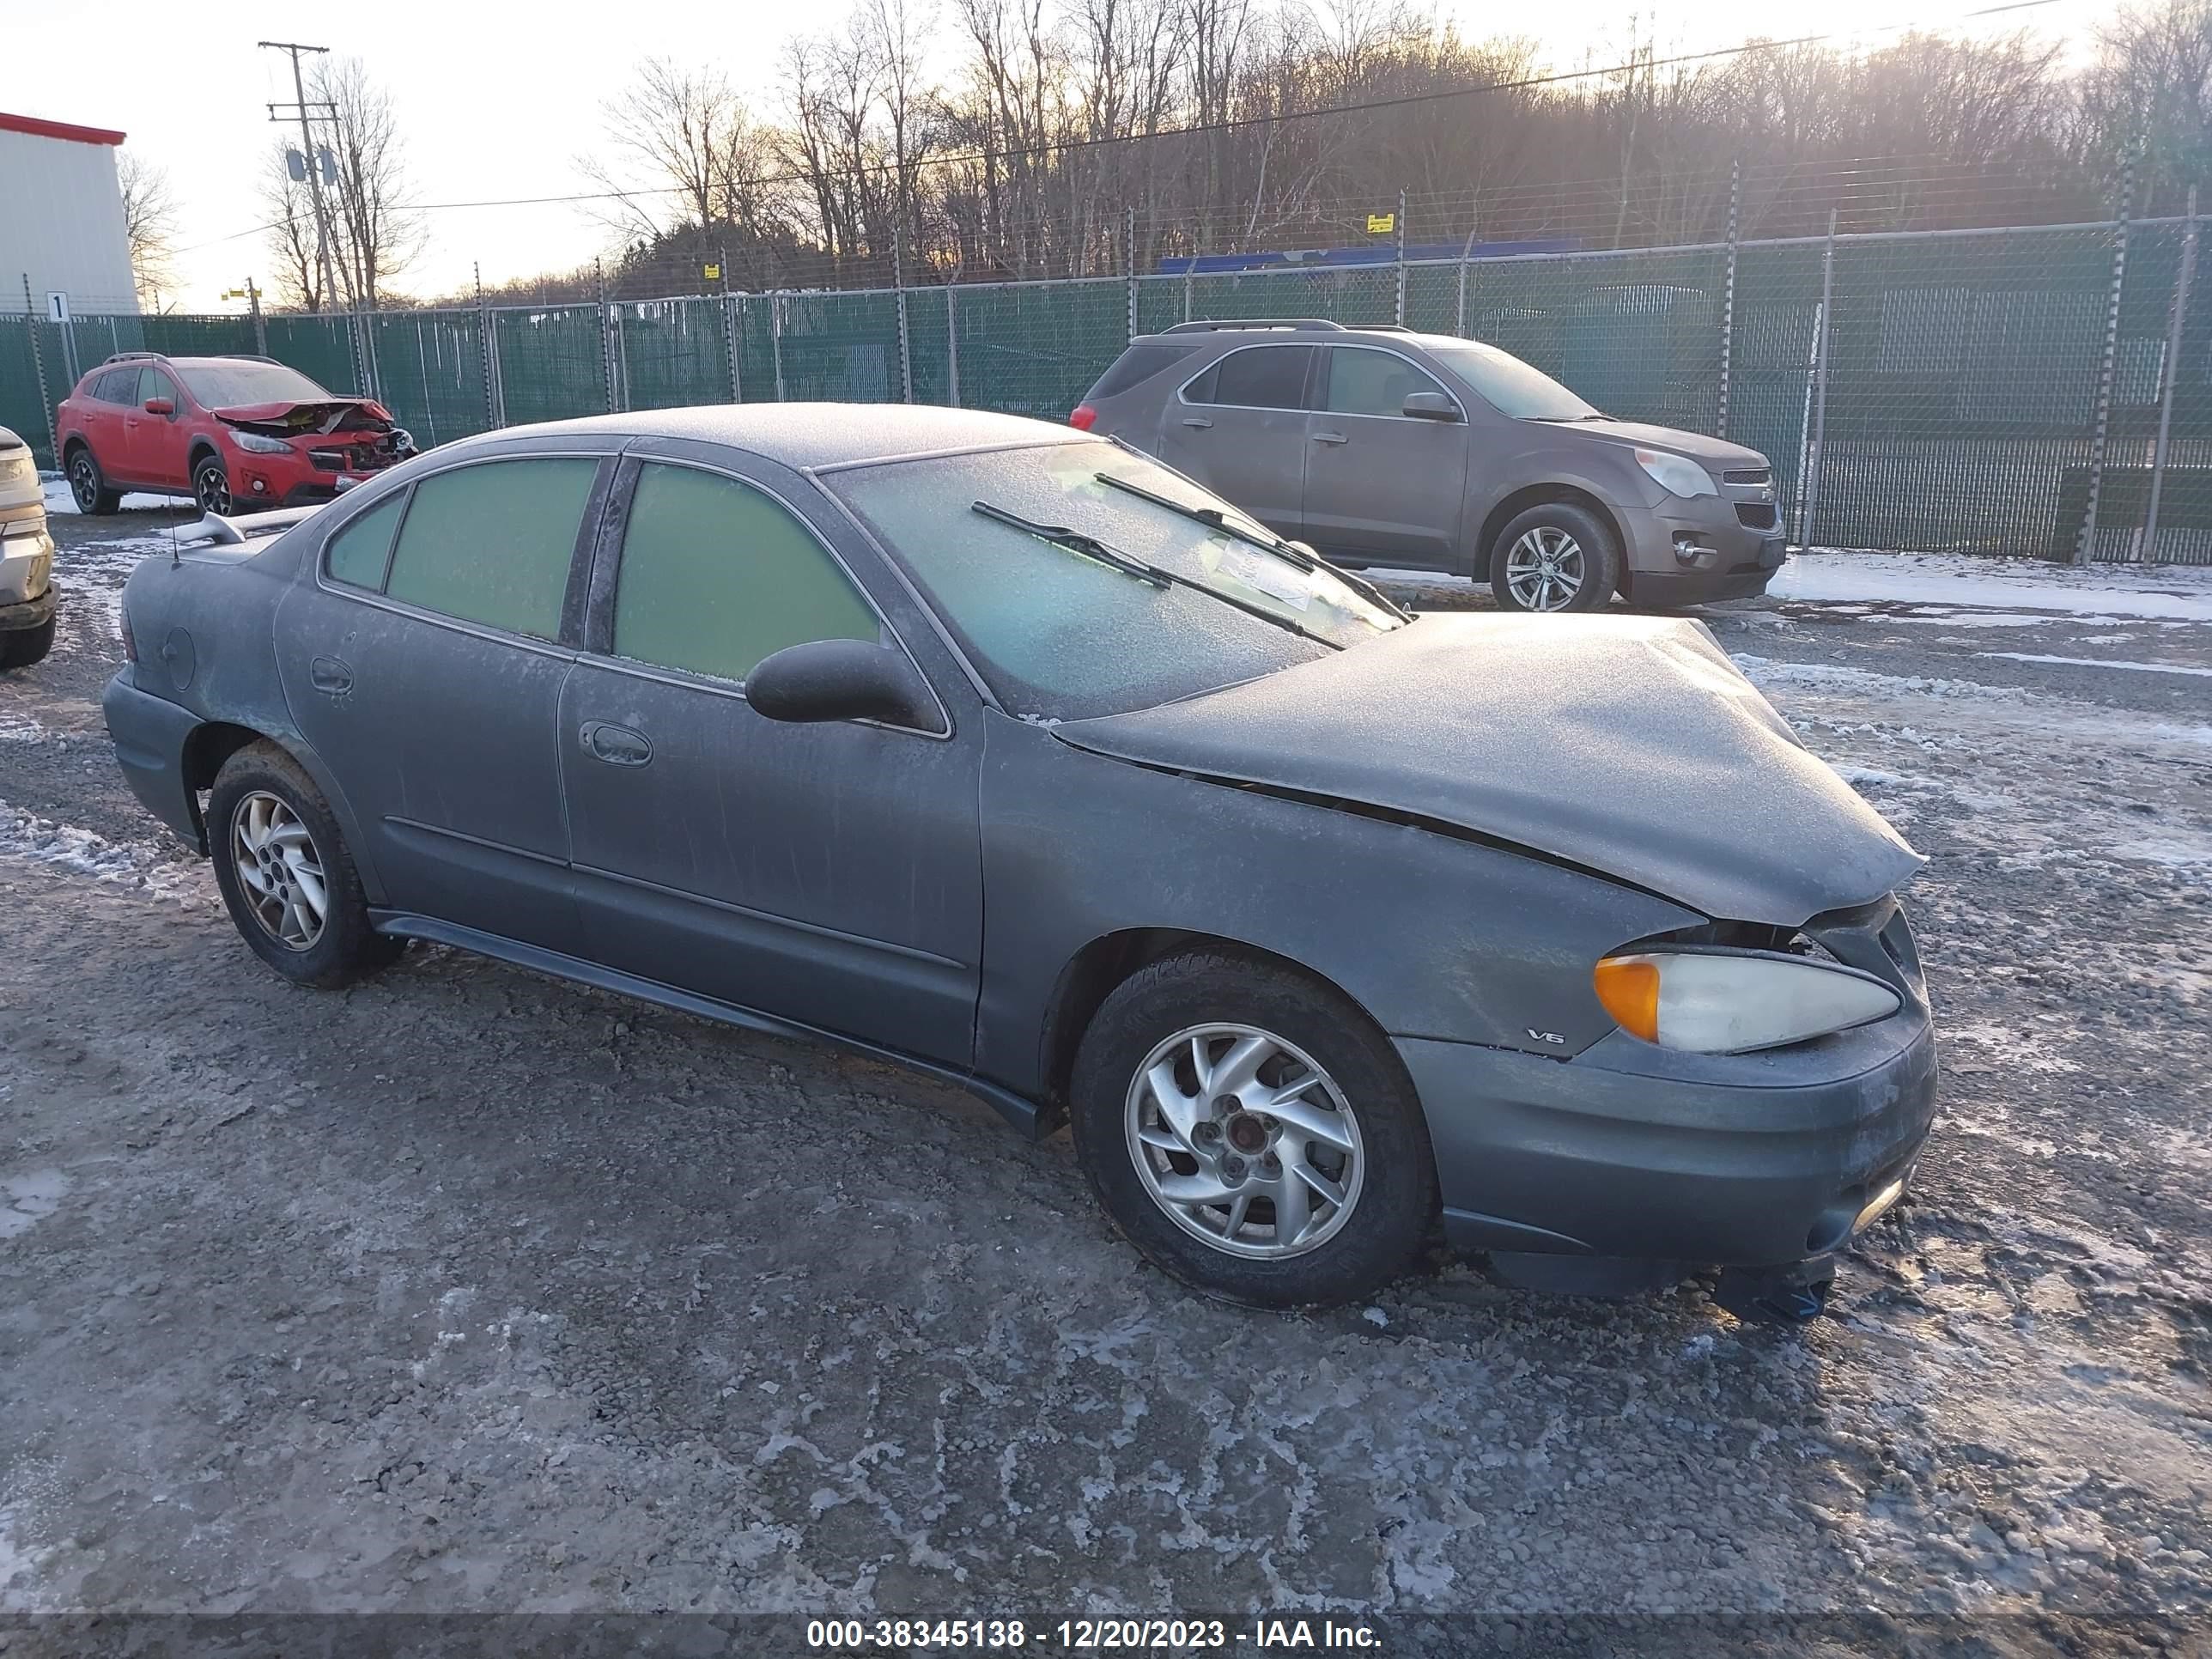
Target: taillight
[1081,417]
[129,642]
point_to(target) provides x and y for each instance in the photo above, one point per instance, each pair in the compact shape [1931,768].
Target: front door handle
[1330,438]
[1196,420]
[329,677]
[617,746]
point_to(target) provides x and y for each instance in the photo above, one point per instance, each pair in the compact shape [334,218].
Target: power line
[1201,130]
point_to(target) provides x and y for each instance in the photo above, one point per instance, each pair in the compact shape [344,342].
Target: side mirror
[840,680]
[160,406]
[1429,406]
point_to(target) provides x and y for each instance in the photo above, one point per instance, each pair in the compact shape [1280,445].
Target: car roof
[818,435]
[1260,332]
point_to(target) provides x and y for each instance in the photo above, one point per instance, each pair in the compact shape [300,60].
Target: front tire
[1556,556]
[88,485]
[21,646]
[1252,1132]
[211,485]
[285,878]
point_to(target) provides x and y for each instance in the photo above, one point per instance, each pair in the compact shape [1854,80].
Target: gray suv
[1382,446]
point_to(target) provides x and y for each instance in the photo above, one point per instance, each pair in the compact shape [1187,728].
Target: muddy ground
[470,1290]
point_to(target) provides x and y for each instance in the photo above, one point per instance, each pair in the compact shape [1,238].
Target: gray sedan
[1013,755]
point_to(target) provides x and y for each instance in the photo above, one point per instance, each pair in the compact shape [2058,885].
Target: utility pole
[308,155]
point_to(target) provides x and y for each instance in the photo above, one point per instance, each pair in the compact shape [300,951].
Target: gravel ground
[470,1290]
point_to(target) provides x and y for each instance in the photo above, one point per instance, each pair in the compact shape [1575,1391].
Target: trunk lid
[1632,746]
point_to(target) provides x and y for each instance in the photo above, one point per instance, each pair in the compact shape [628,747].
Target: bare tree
[150,222]
[374,235]
[294,236]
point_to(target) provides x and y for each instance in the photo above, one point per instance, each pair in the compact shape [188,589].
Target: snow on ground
[2098,592]
[2100,662]
[59,500]
[136,864]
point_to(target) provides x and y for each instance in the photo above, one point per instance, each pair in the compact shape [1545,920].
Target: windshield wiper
[1214,519]
[1075,541]
[1091,547]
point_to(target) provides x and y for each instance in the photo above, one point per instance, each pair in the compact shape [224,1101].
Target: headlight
[16,467]
[1714,1004]
[1677,474]
[258,443]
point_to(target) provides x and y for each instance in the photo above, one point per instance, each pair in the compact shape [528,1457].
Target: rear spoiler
[238,529]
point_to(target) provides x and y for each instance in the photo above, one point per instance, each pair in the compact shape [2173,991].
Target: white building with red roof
[61,217]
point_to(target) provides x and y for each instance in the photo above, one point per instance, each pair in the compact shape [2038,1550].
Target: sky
[499,98]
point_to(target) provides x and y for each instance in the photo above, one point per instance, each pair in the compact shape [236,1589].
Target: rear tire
[1297,1172]
[286,880]
[21,646]
[88,484]
[1554,557]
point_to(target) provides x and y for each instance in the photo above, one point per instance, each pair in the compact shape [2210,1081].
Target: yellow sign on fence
[712,273]
[1382,224]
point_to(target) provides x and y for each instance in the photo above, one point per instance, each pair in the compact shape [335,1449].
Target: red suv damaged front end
[289,454]
[232,433]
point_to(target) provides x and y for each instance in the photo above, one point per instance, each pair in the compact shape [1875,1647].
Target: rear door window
[493,543]
[359,553]
[118,386]
[1258,377]
[716,576]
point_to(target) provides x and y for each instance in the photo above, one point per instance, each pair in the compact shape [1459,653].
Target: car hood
[1631,746]
[1713,452]
[295,419]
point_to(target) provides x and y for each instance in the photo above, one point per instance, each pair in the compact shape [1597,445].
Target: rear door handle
[617,746]
[1330,438]
[329,677]
[1196,420]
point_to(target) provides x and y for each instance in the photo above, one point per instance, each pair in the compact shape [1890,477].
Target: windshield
[1059,634]
[1508,384]
[228,383]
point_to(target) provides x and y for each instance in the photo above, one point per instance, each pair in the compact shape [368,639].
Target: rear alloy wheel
[285,878]
[1556,556]
[1252,1132]
[211,485]
[88,488]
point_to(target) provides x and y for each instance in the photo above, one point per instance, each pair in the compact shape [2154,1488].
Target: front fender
[1433,935]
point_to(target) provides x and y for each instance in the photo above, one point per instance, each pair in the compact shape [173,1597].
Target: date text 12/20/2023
[1084,1635]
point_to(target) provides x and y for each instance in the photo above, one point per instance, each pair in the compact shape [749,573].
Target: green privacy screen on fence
[1984,391]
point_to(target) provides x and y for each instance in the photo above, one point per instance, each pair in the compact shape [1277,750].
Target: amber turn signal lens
[1629,988]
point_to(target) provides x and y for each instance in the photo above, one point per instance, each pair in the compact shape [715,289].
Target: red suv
[219,429]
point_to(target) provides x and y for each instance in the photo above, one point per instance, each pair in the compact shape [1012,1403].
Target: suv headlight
[17,467]
[260,443]
[1677,475]
[1717,1003]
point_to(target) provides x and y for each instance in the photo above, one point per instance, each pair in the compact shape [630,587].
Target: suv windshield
[226,383]
[1508,384]
[1060,634]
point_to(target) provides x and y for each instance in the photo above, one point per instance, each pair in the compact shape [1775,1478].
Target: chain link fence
[2044,391]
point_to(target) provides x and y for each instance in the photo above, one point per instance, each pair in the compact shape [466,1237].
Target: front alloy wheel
[280,869]
[1544,568]
[211,487]
[1245,1141]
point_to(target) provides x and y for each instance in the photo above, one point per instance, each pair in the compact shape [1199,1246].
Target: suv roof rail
[128,357]
[1213,323]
